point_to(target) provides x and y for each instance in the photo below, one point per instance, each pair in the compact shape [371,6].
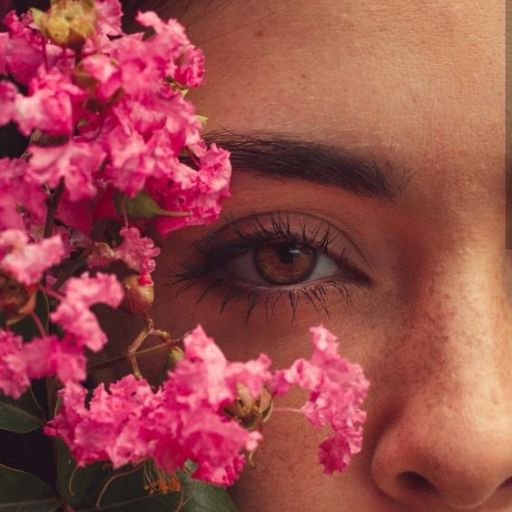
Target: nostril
[507,484]
[416,483]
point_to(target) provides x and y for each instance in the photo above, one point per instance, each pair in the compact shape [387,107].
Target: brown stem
[39,324]
[52,209]
[71,270]
[123,357]
[111,479]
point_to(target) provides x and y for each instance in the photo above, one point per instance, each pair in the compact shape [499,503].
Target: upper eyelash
[215,253]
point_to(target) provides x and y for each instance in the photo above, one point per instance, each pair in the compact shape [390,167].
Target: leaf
[125,493]
[123,489]
[202,497]
[23,492]
[77,487]
[22,415]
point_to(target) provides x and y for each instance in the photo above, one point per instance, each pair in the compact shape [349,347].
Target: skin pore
[418,89]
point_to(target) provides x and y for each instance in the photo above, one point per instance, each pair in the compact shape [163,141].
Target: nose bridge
[458,318]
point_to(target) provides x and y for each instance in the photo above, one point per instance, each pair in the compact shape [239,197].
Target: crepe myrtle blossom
[185,418]
[20,362]
[73,313]
[26,261]
[112,137]
[117,114]
[136,251]
[337,390]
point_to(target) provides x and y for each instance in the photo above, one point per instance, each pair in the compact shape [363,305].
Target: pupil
[284,263]
[288,253]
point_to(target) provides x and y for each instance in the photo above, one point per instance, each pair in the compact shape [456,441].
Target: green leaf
[22,415]
[123,489]
[77,486]
[23,492]
[202,497]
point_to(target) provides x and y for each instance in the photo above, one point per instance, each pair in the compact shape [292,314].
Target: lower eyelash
[232,292]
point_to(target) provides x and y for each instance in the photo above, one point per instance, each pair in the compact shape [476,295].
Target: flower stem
[52,209]
[123,357]
[39,324]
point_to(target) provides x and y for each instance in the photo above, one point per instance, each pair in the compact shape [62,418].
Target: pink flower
[131,161]
[110,427]
[49,355]
[181,421]
[23,48]
[338,389]
[107,76]
[75,162]
[19,193]
[199,192]
[138,252]
[14,380]
[74,314]
[27,261]
[50,106]
[7,96]
[109,17]
[190,71]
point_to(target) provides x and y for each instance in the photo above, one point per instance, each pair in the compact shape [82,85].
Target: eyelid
[240,235]
[235,237]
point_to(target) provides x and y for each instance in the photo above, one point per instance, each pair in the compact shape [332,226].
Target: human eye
[266,259]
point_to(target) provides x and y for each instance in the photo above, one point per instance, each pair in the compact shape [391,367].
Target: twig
[123,357]
[39,325]
[111,479]
[52,208]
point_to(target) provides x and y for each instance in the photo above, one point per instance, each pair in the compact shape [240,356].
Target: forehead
[421,84]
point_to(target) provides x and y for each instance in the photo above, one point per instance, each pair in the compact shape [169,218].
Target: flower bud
[251,411]
[139,293]
[16,299]
[67,23]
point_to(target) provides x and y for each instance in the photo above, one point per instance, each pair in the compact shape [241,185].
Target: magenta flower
[19,189]
[337,390]
[51,105]
[74,315]
[75,162]
[14,380]
[27,261]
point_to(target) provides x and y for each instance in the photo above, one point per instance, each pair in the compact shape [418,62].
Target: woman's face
[395,242]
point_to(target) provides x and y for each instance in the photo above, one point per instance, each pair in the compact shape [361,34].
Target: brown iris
[284,262]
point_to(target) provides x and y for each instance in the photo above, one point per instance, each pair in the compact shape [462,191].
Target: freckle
[259,33]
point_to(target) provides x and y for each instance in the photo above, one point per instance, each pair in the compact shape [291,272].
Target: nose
[447,445]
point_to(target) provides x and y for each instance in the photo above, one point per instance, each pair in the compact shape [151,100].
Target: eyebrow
[296,158]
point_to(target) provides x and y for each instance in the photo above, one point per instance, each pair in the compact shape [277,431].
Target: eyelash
[215,254]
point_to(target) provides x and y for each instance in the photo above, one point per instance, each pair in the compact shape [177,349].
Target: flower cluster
[185,419]
[115,151]
[108,119]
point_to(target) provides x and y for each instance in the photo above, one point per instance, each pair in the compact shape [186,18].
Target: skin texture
[419,87]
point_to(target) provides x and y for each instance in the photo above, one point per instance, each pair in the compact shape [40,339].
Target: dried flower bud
[16,299]
[250,411]
[67,23]
[139,293]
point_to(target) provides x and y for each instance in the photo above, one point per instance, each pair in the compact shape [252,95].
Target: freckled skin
[422,86]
